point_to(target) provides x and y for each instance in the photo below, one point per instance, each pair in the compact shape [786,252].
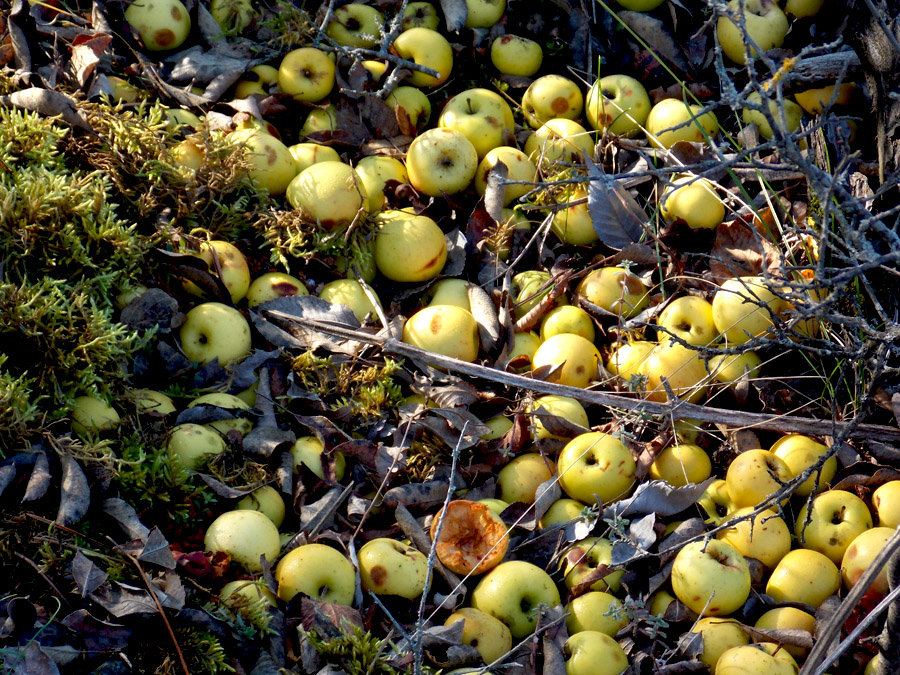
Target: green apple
[765,658]
[525,343]
[788,618]
[375,171]
[425,47]
[529,287]
[497,506]
[596,466]
[420,15]
[567,319]
[498,426]
[441,161]
[307,154]
[224,260]
[267,500]
[793,113]
[243,594]
[512,591]
[488,635]
[444,329]
[804,575]
[578,359]
[258,80]
[743,308]
[693,200]
[316,570]
[153,402]
[308,450]
[730,368]
[245,536]
[585,556]
[549,97]
[614,289]
[410,249]
[320,120]
[711,578]
[307,74]
[229,402]
[271,165]
[562,511]
[190,155]
[212,330]
[518,168]
[349,292]
[91,416]
[591,652]
[561,406]
[162,24]
[355,25]
[618,105]
[484,13]
[690,318]
[640,5]
[596,610]
[682,367]
[682,464]
[192,444]
[672,120]
[886,500]
[716,502]
[516,56]
[859,556]
[754,476]
[519,479]
[574,224]
[765,24]
[233,16]
[411,106]
[800,452]
[719,635]
[559,140]
[765,536]
[389,567]
[329,193]
[273,285]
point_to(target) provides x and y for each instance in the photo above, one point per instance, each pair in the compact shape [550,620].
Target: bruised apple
[245,536]
[575,359]
[410,249]
[389,567]
[444,329]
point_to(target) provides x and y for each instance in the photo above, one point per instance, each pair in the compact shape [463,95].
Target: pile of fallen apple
[814,544]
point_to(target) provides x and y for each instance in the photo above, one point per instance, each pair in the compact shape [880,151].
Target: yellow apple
[498,426]
[614,289]
[730,368]
[886,500]
[450,292]
[487,634]
[517,56]
[152,402]
[561,406]
[804,576]
[574,224]
[815,101]
[765,24]
[425,47]
[743,308]
[766,658]
[511,591]
[316,570]
[562,511]
[307,74]
[518,168]
[233,16]
[559,140]
[245,536]
[754,476]
[693,200]
[271,165]
[349,292]
[228,402]
[586,555]
[596,610]
[273,285]
[672,120]
[628,359]
[267,500]
[577,358]
[549,97]
[441,161]
[519,479]
[319,120]
[682,367]
[525,344]
[567,319]
[444,329]
[765,536]
[690,318]
[189,154]
[375,171]
[716,503]
[800,452]
[162,24]
[410,249]
[212,330]
[788,618]
[596,466]
[682,464]
[421,15]
[410,105]
[484,13]
[792,115]
[191,444]
[719,635]
[307,154]
[389,567]
[591,652]
[224,260]
[480,115]
[859,556]
[328,193]
[711,578]
[618,105]
[355,25]
[308,451]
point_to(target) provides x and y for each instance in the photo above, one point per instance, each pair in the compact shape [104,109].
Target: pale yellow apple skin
[693,200]
[319,120]
[267,501]
[441,161]
[793,113]
[428,48]
[329,193]
[711,578]
[153,402]
[484,13]
[420,15]
[519,479]
[766,658]
[517,56]
[244,535]
[765,22]
[529,287]
[349,292]
[743,308]
[617,104]
[511,591]
[496,506]
[162,24]
[410,249]
[751,477]
[567,319]
[240,424]
[561,406]
[487,634]
[716,503]
[480,115]
[519,167]
[307,154]
[788,618]
[594,653]
[227,258]
[319,571]
[307,74]
[527,344]
[719,635]
[814,101]
[451,292]
[249,591]
[670,113]
[560,140]
[681,464]
[389,567]
[596,610]
[596,466]
[213,330]
[683,368]
[765,537]
[561,511]
[574,224]
[498,425]
[90,415]
[444,329]
[586,555]
[308,450]
[689,318]
[273,285]
[616,290]
[191,444]
[804,576]
[886,500]
[356,25]
[800,452]
[730,368]
[375,171]
[628,359]
[551,96]
[412,104]
[272,166]
[579,359]
[189,155]
[803,8]
[860,554]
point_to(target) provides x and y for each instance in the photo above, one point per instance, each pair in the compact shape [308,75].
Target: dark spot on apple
[525,605]
[833,541]
[164,37]
[176,13]
[378,574]
[271,155]
[506,39]
[559,105]
[608,94]
[353,24]
[579,370]
[283,288]
[684,325]
[493,121]
[437,322]
[474,643]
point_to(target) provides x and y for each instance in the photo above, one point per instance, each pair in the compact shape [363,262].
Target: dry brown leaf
[740,250]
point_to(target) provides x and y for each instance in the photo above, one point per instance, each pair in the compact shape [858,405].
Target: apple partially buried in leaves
[271,165]
[804,576]
[329,193]
[788,618]
[224,260]
[672,120]
[693,200]
[886,500]
[441,161]
[307,154]
[90,416]
[591,652]
[228,402]
[765,658]
[411,106]
[752,115]
[518,168]
[410,249]
[192,444]
[484,13]
[450,292]
[574,224]
[233,16]
[859,556]
[517,56]
[212,330]
[318,571]
[682,367]
[549,97]
[355,25]
[420,15]
[617,104]
[307,74]
[246,536]
[488,635]
[577,359]
[765,24]
[153,402]
[519,480]
[815,101]
[425,47]
[719,635]
[512,591]
[267,500]
[375,171]
[244,594]
[389,567]
[560,140]
[308,451]
[596,610]
[349,292]
[596,466]
[560,406]
[162,24]
[273,285]
[562,511]
[731,368]
[582,560]
[444,329]
[711,578]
